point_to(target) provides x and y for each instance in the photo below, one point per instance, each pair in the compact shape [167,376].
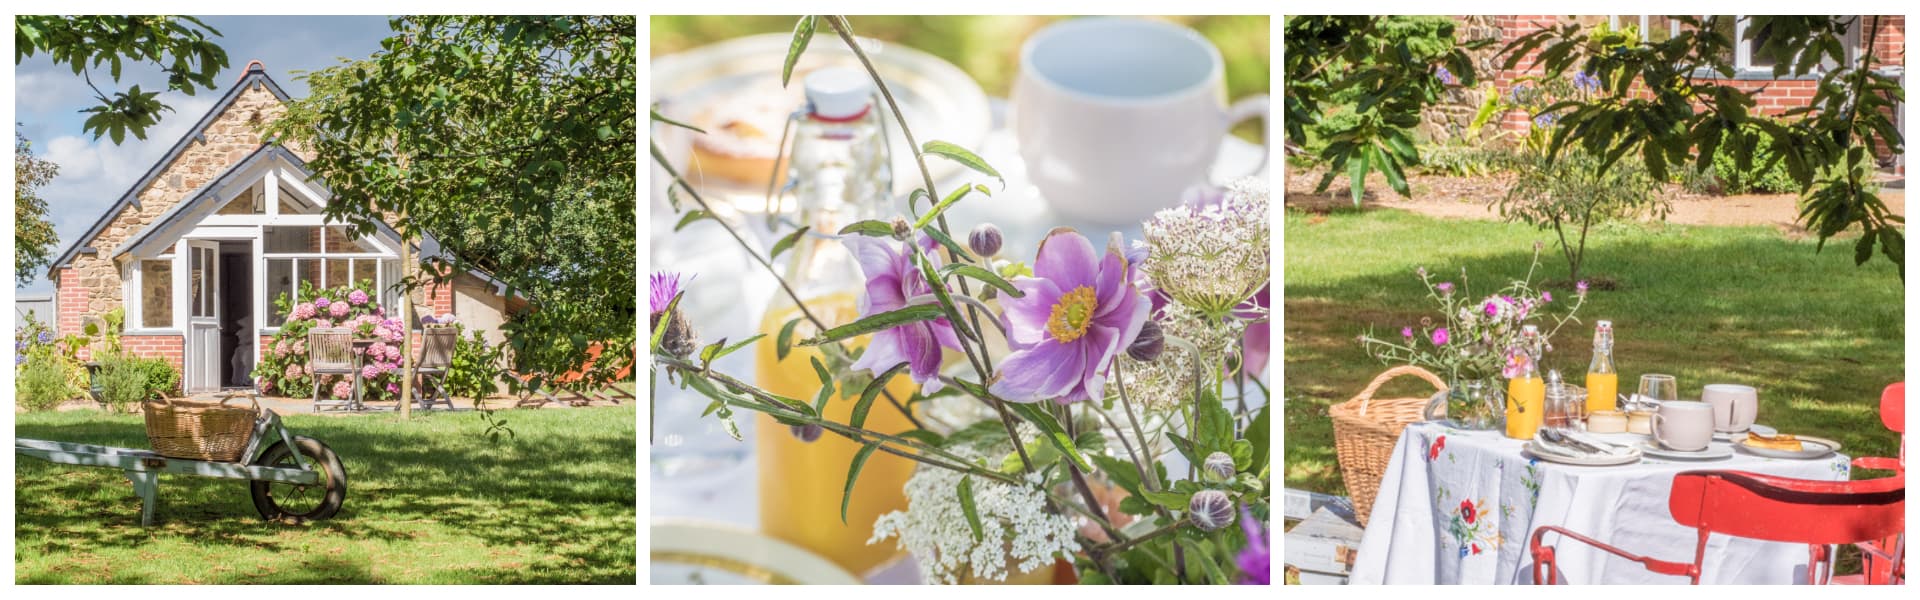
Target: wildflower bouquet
[1118,355]
[1475,338]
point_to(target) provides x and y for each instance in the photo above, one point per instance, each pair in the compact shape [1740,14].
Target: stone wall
[91,285]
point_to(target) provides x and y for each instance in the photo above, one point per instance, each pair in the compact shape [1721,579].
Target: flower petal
[1046,370]
[1067,258]
[876,256]
[921,349]
[1026,317]
[883,352]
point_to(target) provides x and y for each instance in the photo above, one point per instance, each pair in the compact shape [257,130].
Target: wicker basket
[1365,430]
[210,431]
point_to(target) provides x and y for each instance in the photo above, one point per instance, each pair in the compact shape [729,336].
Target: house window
[156,293]
[320,257]
[1658,28]
[248,202]
[1652,28]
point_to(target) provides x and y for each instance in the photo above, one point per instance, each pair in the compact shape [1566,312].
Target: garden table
[1457,506]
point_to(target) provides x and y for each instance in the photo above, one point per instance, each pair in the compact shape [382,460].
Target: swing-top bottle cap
[838,92]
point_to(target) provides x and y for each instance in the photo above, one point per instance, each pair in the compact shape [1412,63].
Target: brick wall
[169,346]
[70,302]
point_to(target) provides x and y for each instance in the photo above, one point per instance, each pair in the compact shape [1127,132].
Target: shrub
[1570,194]
[1764,174]
[122,381]
[161,378]
[1461,158]
[43,383]
[476,367]
[283,361]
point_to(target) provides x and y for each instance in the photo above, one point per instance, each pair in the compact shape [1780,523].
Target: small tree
[182,47]
[33,235]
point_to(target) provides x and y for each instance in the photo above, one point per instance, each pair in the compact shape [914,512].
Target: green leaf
[860,409]
[951,198]
[730,349]
[1051,430]
[1136,506]
[826,385]
[1120,472]
[879,321]
[802,35]
[958,252]
[707,353]
[1259,433]
[966,158]
[923,436]
[869,228]
[984,276]
[1171,500]
[691,216]
[943,296]
[787,242]
[660,329]
[783,345]
[966,506]
[853,475]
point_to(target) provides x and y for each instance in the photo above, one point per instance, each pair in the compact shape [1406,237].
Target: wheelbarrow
[295,479]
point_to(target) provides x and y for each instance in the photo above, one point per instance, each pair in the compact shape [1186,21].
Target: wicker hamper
[1365,430]
[210,431]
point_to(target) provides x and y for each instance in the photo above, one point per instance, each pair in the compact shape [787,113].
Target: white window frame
[1743,50]
[134,295]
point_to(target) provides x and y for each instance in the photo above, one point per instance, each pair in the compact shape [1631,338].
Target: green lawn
[1818,336]
[428,501]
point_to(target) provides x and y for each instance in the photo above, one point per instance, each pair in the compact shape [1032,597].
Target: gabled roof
[255,73]
[200,202]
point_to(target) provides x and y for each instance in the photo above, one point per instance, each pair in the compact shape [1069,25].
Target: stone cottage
[199,247]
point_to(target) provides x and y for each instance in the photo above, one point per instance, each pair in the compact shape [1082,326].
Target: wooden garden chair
[1762,507]
[330,352]
[436,357]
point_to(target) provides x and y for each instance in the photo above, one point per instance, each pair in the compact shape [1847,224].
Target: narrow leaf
[784,344]
[691,216]
[730,349]
[802,35]
[967,158]
[877,322]
[984,276]
[1050,429]
[853,475]
[657,117]
[967,508]
[787,242]
[951,198]
[858,419]
[869,228]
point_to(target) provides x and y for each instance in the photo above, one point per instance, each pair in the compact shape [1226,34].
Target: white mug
[1117,116]
[1683,425]
[1734,406]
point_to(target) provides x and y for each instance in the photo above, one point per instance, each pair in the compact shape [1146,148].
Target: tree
[1655,101]
[511,140]
[182,47]
[1360,82]
[33,235]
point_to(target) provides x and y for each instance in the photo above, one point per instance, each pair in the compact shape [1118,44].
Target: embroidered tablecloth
[1458,506]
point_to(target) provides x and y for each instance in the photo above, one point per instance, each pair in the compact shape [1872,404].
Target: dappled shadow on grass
[427,501]
[1818,336]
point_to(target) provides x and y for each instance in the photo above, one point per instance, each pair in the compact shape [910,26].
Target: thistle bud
[1218,467]
[901,229]
[679,339]
[1150,343]
[1210,510]
[985,240]
[807,433]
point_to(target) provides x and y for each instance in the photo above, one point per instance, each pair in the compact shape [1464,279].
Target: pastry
[1783,441]
[742,139]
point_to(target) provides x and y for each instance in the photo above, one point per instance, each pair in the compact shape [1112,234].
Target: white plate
[1598,460]
[1712,452]
[940,101]
[1729,436]
[685,552]
[1811,450]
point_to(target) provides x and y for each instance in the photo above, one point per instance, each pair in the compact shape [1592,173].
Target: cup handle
[1653,422]
[1255,106]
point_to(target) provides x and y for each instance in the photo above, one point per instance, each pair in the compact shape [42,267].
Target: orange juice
[801,482]
[1526,401]
[1602,391]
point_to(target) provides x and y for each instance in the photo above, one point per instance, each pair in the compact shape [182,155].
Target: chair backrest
[330,348]
[436,351]
[1782,509]
[1893,407]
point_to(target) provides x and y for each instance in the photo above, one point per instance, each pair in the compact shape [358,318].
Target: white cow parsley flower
[1167,382]
[1212,258]
[1014,524]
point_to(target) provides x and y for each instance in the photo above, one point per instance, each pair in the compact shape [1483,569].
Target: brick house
[225,222]
[1775,95]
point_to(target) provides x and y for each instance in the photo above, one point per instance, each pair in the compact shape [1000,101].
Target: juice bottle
[840,174]
[1603,382]
[1526,392]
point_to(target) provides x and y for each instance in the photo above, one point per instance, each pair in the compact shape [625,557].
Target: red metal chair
[1883,561]
[1763,507]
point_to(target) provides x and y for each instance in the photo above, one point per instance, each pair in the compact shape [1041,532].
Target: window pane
[339,272]
[156,293]
[341,241]
[367,270]
[390,281]
[279,284]
[294,204]
[1724,25]
[1754,58]
[247,203]
[199,277]
[308,272]
[1659,28]
[292,240]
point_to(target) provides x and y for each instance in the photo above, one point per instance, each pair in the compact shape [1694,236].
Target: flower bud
[1150,343]
[1210,510]
[1218,467]
[679,339]
[901,229]
[985,240]
[807,433]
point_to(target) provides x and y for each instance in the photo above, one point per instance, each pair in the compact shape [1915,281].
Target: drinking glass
[1656,388]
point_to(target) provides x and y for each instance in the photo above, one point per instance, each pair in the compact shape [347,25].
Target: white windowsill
[151,332]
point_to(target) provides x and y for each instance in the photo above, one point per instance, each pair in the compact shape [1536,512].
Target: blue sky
[95,173]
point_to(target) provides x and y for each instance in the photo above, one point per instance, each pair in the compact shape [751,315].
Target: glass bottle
[1526,391]
[839,168]
[1603,382]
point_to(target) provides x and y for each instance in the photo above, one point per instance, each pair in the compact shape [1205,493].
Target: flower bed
[283,367]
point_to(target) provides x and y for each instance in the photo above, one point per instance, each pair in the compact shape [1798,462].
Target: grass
[428,501]
[1819,336]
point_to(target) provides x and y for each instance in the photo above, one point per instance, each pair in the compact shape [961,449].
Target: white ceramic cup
[1683,425]
[1734,406]
[1117,116]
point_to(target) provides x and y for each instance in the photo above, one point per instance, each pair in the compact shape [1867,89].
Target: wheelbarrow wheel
[294,503]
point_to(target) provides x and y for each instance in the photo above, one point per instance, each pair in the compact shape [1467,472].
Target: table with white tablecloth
[1458,506]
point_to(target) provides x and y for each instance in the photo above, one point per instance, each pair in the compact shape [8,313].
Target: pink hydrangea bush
[283,365]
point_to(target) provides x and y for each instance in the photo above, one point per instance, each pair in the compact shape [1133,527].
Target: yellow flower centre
[1072,314]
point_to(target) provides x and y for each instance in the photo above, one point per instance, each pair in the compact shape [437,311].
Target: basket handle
[1366,395]
[250,398]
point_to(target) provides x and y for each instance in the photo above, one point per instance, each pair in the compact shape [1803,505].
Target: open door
[202,360]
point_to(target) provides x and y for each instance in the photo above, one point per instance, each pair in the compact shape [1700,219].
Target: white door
[202,360]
